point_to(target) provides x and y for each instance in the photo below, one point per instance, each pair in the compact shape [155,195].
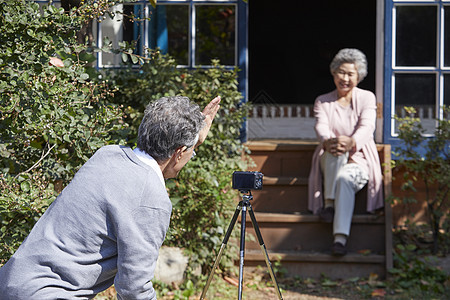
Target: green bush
[53,115]
[416,274]
[427,159]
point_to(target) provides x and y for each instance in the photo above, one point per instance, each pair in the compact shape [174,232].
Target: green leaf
[84,119]
[36,144]
[329,283]
[175,200]
[87,57]
[25,186]
[84,76]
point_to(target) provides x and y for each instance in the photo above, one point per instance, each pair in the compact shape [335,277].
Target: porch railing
[272,121]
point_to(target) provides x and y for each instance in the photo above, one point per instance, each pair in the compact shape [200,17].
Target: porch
[298,239]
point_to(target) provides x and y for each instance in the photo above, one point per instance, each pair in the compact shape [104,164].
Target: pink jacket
[327,126]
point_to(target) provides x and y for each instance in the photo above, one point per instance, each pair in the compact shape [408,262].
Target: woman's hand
[340,145]
[209,112]
[331,145]
[346,143]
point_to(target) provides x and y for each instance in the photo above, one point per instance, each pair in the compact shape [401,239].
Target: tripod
[243,205]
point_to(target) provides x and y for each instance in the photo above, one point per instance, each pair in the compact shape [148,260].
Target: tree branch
[37,163]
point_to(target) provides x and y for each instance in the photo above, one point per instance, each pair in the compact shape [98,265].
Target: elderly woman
[346,158]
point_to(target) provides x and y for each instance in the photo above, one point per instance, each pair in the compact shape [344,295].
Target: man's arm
[209,112]
[138,241]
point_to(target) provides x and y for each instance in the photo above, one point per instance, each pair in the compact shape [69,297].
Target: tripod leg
[222,247]
[242,251]
[264,250]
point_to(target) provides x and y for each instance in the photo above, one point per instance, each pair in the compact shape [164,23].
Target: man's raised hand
[209,112]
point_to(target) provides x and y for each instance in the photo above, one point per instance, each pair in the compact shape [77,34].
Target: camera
[247,180]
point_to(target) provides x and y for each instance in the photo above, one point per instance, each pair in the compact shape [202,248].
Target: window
[193,32]
[119,27]
[417,62]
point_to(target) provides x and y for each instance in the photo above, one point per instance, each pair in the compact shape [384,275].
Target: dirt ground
[337,290]
[258,290]
[258,286]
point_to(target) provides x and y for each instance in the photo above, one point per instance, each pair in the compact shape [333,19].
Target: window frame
[391,69]
[240,37]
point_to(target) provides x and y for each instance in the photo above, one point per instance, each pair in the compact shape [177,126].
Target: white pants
[341,181]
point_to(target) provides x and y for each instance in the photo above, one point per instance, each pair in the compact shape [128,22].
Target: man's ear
[179,152]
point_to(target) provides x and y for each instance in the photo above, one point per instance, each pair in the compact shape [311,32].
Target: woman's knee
[344,178]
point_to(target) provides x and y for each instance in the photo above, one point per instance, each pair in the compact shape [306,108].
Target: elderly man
[107,225]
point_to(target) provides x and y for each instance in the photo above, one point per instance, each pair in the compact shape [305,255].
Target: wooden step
[315,265]
[291,232]
[299,238]
[288,194]
[310,218]
[282,194]
[275,160]
[291,181]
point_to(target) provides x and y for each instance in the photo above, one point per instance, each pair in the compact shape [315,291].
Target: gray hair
[352,56]
[169,123]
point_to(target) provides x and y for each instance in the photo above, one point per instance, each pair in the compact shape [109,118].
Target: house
[283,51]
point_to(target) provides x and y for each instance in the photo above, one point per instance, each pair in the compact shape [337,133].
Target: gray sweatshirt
[106,227]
